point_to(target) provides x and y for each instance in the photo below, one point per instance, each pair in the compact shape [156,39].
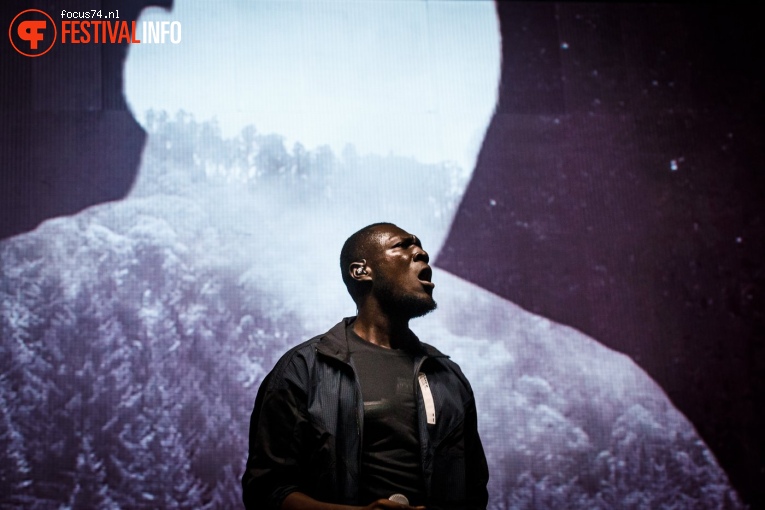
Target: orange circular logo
[32,33]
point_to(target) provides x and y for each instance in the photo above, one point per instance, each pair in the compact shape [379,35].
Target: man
[365,411]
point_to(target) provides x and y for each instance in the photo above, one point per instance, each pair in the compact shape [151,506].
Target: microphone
[399,498]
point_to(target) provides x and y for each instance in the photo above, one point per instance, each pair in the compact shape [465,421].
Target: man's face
[402,275]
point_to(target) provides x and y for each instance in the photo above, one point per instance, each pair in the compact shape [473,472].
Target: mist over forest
[134,336]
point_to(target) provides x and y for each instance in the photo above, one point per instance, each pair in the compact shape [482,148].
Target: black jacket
[305,430]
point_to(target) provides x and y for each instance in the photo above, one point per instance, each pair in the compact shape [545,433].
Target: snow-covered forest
[135,335]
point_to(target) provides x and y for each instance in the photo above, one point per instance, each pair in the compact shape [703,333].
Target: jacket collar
[334,343]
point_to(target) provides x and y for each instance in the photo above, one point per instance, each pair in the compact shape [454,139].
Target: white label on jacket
[427,396]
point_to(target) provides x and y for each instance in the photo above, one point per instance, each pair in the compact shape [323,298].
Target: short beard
[403,305]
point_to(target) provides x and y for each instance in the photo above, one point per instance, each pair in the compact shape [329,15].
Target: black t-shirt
[390,459]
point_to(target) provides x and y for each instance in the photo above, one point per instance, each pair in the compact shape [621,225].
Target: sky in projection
[416,79]
[412,79]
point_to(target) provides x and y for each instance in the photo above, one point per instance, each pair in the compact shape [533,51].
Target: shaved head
[360,246]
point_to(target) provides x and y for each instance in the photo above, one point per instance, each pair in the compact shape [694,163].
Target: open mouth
[425,276]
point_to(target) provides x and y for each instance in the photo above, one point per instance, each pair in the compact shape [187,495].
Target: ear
[359,271]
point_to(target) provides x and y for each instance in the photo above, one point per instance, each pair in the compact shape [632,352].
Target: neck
[377,327]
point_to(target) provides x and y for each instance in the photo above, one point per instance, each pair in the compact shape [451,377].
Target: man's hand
[299,501]
[383,504]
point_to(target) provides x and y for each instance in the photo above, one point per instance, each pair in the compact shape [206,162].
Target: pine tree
[90,487]
[15,471]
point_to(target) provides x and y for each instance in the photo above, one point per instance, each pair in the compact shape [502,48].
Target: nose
[420,255]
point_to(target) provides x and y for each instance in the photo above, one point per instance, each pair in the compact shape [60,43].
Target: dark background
[67,140]
[592,228]
[574,211]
